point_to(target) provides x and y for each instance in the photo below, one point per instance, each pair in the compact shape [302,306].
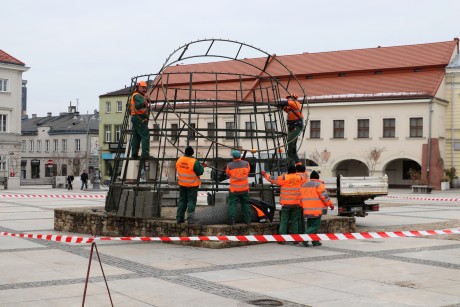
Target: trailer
[352,193]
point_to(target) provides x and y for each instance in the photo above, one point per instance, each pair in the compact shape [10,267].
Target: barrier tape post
[93,246]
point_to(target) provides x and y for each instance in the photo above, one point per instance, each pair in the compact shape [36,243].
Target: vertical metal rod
[103,274]
[87,272]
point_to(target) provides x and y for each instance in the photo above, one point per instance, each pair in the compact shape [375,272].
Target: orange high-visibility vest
[186,176]
[133,109]
[315,199]
[290,189]
[238,170]
[293,109]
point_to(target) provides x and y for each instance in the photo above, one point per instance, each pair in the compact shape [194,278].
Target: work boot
[135,157]
[316,243]
[147,157]
[305,243]
[180,221]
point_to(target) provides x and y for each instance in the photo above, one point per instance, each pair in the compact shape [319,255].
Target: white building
[11,70]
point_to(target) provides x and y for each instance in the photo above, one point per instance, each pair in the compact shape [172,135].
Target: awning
[110,156]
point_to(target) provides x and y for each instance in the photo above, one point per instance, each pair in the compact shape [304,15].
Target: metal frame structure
[198,101]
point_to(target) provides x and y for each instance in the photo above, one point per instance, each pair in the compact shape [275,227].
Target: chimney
[71,109]
[49,114]
[34,115]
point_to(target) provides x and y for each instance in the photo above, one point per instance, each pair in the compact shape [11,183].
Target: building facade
[59,145]
[11,89]
[112,108]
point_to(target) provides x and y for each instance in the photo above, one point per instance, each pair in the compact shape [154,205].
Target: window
[108,107]
[3,160]
[39,145]
[339,129]
[119,106]
[117,133]
[270,127]
[77,145]
[3,122]
[108,133]
[230,130]
[3,85]
[250,127]
[191,132]
[47,145]
[55,145]
[174,132]
[315,129]
[416,127]
[64,145]
[23,146]
[363,128]
[31,145]
[389,126]
[211,130]
[156,132]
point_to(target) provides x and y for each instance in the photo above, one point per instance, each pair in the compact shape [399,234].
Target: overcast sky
[83,49]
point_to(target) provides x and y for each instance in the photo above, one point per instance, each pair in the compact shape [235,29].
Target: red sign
[50,162]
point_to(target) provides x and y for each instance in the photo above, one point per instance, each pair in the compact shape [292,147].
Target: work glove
[332,207]
[263,173]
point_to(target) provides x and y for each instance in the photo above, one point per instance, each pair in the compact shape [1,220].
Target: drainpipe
[430,110]
[452,76]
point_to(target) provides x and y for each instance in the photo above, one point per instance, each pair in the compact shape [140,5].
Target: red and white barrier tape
[447,199]
[245,238]
[52,196]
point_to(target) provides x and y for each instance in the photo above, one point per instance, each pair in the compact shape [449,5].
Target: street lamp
[87,120]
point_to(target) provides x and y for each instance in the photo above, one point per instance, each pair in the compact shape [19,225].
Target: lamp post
[96,182]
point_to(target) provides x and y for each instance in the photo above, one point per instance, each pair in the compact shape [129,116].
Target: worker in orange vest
[238,171]
[189,171]
[293,108]
[139,109]
[315,201]
[289,198]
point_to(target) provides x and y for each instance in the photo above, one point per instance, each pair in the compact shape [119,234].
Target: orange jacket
[186,176]
[315,199]
[293,109]
[133,109]
[238,170]
[290,187]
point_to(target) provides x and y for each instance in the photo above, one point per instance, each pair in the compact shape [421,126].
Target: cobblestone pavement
[378,272]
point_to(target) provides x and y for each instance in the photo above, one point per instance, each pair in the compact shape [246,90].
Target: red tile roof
[6,58]
[400,71]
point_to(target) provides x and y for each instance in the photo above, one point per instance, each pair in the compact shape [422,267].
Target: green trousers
[187,202]
[141,135]
[301,221]
[243,199]
[313,224]
[289,214]
[292,137]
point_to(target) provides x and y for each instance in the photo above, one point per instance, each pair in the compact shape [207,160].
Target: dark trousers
[289,214]
[69,185]
[243,199]
[187,202]
[140,136]
[293,134]
[313,224]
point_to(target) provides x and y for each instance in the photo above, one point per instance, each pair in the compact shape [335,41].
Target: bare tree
[320,158]
[372,157]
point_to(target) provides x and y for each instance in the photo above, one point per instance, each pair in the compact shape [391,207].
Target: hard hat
[236,154]
[294,96]
[142,83]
